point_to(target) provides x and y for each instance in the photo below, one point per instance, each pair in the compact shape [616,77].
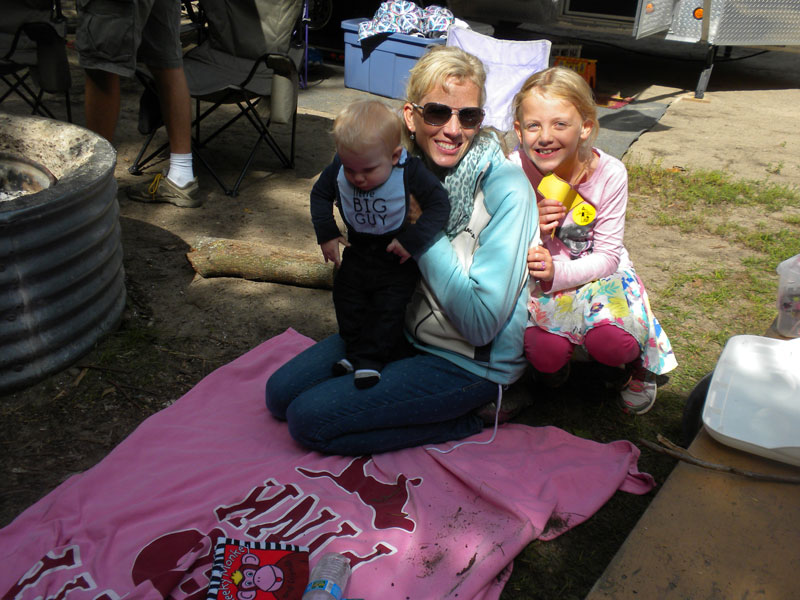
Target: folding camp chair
[244,60]
[508,64]
[36,54]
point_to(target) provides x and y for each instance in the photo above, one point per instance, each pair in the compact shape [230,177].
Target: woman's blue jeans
[423,399]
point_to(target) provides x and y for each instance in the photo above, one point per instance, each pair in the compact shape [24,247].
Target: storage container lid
[753,400]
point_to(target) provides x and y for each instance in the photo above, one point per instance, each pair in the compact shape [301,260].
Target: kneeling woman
[466,321]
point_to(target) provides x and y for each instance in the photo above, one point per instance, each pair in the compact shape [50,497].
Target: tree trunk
[218,257]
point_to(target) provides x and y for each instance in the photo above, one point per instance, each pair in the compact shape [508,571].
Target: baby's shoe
[342,367]
[366,378]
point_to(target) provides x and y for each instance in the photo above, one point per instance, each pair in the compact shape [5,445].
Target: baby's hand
[330,250]
[540,263]
[396,247]
[550,213]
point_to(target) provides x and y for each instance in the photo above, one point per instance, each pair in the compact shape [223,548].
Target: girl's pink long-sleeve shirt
[607,191]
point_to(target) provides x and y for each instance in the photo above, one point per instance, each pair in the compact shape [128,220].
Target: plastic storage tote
[380,65]
[788,324]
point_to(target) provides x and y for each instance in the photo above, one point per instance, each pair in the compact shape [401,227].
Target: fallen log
[256,261]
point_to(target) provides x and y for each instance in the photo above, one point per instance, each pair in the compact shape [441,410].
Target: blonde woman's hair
[366,122]
[564,84]
[438,66]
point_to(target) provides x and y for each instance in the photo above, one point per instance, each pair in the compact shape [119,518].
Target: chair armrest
[285,88]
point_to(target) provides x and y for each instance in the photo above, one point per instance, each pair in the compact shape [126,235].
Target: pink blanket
[415,523]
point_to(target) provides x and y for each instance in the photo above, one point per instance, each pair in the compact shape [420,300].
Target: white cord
[494,432]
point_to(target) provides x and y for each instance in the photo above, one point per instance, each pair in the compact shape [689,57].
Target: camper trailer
[771,24]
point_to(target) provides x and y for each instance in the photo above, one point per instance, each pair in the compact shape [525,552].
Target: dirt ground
[746,125]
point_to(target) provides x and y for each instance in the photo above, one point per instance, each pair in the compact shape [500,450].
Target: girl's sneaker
[639,394]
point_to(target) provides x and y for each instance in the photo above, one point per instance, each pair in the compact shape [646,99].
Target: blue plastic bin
[381,68]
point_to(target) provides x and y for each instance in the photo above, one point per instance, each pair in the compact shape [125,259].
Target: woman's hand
[540,263]
[330,249]
[414,210]
[397,248]
[550,213]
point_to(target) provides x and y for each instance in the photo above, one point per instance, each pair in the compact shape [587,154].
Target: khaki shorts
[113,35]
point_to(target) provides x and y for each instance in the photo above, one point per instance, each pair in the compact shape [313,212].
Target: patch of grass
[776,245]
[774,168]
[685,222]
[688,189]
[791,219]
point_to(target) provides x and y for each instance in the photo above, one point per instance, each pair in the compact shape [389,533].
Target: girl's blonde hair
[564,84]
[366,122]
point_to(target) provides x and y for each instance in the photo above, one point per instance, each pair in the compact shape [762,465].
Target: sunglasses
[437,114]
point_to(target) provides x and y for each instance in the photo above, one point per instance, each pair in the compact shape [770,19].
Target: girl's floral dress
[619,299]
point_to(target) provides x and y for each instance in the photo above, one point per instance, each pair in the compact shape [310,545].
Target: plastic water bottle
[328,578]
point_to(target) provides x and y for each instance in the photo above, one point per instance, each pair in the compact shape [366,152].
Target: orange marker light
[649,8]
[698,13]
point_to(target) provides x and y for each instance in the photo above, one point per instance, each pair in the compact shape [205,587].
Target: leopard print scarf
[462,181]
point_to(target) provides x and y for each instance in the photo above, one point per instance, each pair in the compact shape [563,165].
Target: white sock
[180,169]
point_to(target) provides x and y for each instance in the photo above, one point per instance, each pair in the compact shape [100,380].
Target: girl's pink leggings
[607,344]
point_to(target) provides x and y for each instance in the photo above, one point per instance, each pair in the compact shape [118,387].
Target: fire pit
[20,176]
[61,277]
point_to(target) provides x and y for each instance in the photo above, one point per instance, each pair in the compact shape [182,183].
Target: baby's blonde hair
[367,122]
[564,84]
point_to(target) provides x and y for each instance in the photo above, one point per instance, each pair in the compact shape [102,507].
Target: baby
[371,180]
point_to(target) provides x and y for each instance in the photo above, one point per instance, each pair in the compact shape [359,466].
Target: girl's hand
[540,263]
[330,249]
[397,248]
[550,213]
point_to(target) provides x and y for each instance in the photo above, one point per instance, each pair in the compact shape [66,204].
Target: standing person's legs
[176,108]
[161,51]
[102,102]
[106,40]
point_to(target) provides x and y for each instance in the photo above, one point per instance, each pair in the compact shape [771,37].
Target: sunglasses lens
[470,117]
[436,114]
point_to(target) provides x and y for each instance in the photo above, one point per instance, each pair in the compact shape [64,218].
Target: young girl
[583,289]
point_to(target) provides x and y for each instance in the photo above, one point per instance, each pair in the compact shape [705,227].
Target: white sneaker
[639,394]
